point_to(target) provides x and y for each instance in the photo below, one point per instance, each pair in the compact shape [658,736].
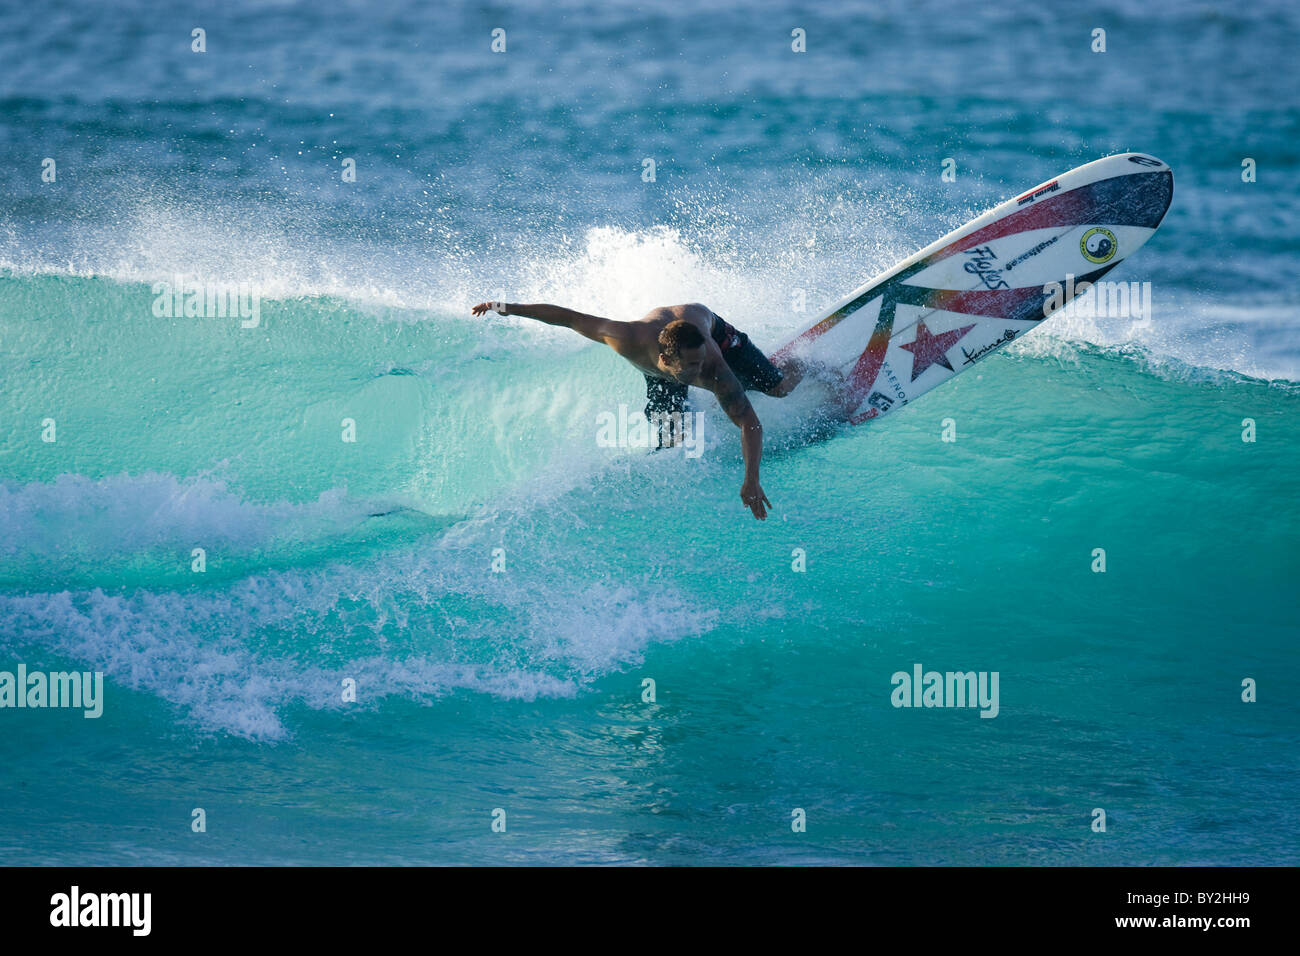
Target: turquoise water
[522,688]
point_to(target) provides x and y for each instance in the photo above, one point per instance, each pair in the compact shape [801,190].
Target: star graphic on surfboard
[930,349]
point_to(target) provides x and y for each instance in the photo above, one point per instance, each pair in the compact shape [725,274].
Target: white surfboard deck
[962,298]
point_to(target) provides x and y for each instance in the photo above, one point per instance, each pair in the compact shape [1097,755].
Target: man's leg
[756,371]
[792,372]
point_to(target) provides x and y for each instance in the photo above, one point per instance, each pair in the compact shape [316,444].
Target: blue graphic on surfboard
[999,276]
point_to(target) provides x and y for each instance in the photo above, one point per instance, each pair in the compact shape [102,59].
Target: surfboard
[965,296]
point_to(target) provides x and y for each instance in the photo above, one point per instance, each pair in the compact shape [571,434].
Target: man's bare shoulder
[693,312]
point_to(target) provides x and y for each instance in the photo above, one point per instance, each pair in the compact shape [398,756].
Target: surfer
[676,346]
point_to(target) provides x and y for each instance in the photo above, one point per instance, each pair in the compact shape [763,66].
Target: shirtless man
[679,345]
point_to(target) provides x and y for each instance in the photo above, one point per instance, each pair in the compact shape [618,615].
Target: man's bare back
[640,344]
[677,346]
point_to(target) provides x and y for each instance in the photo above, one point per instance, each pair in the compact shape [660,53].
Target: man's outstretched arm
[592,326]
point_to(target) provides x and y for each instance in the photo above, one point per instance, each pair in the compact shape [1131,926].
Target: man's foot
[843,400]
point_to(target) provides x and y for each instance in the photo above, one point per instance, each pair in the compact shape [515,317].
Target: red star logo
[929,349]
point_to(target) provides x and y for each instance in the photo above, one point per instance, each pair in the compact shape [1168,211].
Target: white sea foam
[236,657]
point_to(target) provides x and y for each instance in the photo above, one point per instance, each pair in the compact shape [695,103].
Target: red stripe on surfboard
[1062,210]
[990,303]
[868,365]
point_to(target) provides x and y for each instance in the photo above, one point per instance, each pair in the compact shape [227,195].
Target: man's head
[681,349]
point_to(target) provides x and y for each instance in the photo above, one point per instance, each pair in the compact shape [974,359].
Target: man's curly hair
[677,335]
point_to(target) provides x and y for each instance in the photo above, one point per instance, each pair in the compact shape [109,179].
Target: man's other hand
[752,495]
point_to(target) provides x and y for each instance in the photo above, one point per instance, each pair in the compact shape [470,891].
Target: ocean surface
[499,585]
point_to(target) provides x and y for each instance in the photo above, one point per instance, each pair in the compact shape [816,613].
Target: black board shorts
[751,367]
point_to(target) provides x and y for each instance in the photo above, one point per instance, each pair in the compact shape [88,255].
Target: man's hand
[484,307]
[752,495]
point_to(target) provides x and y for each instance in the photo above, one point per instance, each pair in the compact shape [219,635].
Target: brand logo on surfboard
[984,266]
[1033,194]
[1032,252]
[974,355]
[1098,245]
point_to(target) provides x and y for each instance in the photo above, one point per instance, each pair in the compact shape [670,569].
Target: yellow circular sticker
[1098,245]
